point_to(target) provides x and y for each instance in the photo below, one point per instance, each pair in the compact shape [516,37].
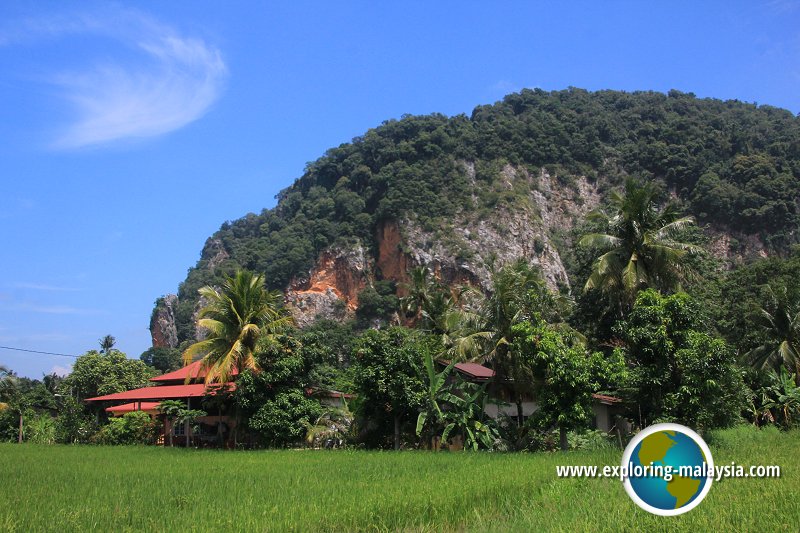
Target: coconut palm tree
[463,333]
[480,327]
[639,250]
[511,300]
[236,317]
[428,301]
[780,323]
[333,428]
[419,289]
[107,343]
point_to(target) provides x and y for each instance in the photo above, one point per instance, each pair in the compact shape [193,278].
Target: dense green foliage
[161,489]
[778,401]
[162,359]
[376,304]
[131,428]
[734,299]
[28,406]
[284,418]
[453,406]
[96,374]
[272,401]
[678,372]
[732,164]
[389,378]
[565,374]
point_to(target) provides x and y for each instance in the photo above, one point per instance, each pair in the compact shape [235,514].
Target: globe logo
[667,469]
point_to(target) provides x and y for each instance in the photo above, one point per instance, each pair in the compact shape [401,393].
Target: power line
[37,351]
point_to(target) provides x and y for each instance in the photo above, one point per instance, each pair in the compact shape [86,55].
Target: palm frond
[669,230]
[600,240]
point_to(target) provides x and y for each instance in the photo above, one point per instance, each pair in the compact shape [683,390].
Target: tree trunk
[562,438]
[520,416]
[219,427]
[186,423]
[236,429]
[20,428]
[396,432]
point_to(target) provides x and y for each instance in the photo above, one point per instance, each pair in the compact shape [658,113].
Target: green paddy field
[82,488]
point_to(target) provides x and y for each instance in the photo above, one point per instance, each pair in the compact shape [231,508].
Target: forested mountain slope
[513,179]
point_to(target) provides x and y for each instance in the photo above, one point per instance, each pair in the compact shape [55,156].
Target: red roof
[163,392]
[313,391]
[191,371]
[475,371]
[603,398]
[133,406]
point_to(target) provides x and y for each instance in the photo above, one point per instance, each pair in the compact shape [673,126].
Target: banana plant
[783,398]
[455,408]
[466,415]
[437,392]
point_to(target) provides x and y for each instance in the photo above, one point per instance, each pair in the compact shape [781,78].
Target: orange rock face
[332,287]
[392,261]
[334,274]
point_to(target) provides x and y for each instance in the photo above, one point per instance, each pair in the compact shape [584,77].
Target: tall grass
[63,488]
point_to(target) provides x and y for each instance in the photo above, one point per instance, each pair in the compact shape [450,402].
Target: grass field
[70,488]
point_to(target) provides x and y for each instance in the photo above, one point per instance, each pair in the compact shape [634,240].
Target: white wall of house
[603,417]
[495,410]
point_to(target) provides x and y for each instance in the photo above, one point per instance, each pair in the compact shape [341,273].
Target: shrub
[131,428]
[40,429]
[285,419]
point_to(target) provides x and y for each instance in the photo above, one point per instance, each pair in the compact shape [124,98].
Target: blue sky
[127,136]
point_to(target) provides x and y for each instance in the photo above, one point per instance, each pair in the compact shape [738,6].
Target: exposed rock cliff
[459,251]
[330,289]
[162,323]
[468,245]
[509,181]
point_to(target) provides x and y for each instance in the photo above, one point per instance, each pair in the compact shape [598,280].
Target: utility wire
[37,351]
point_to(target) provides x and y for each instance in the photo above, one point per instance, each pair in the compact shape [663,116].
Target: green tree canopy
[565,375]
[676,370]
[96,374]
[272,400]
[389,374]
[162,358]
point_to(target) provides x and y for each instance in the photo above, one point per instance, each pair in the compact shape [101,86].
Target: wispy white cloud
[169,81]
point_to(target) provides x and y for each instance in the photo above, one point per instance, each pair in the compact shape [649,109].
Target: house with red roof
[605,408]
[187,385]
